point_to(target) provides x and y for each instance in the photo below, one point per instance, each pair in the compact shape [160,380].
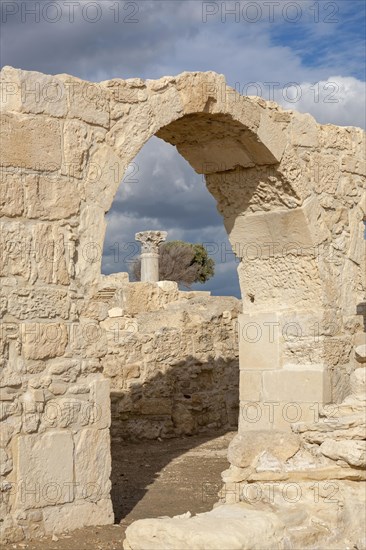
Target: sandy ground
[150,479]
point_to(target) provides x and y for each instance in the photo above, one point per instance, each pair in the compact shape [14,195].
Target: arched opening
[161,191]
[180,390]
[218,132]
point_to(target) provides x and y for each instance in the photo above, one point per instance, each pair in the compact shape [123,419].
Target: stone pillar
[150,241]
[280,382]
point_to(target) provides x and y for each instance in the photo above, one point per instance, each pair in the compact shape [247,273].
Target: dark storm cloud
[119,43]
[150,38]
[161,183]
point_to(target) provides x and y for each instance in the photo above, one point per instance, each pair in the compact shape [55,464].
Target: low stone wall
[174,370]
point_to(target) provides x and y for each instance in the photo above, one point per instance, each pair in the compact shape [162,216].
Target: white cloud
[338,100]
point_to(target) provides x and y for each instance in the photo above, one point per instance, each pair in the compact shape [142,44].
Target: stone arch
[275,174]
[249,152]
[265,167]
[214,128]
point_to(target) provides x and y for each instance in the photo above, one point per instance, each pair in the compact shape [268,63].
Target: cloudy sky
[306,55]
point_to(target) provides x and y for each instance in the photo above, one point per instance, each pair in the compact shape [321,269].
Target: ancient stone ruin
[292,196]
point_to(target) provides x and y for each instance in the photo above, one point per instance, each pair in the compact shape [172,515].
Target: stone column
[150,241]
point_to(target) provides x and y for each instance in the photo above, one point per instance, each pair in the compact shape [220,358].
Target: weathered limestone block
[104,173]
[30,142]
[123,93]
[6,432]
[64,367]
[352,452]
[89,246]
[267,279]
[316,353]
[66,412]
[330,447]
[77,142]
[32,92]
[304,385]
[28,303]
[135,298]
[50,197]
[100,394]
[326,173]
[113,366]
[321,514]
[44,340]
[259,341]
[360,353]
[358,380]
[122,136]
[115,312]
[89,338]
[338,139]
[201,148]
[297,172]
[206,157]
[251,190]
[271,133]
[156,406]
[233,526]
[305,130]
[250,386]
[353,165]
[183,419]
[87,101]
[76,515]
[11,194]
[15,250]
[355,217]
[351,426]
[92,469]
[10,531]
[11,382]
[246,448]
[280,232]
[6,463]
[49,245]
[95,309]
[166,105]
[42,478]
[196,89]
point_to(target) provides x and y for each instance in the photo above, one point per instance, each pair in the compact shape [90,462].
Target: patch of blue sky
[329,35]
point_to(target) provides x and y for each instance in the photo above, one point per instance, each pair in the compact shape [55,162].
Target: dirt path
[150,479]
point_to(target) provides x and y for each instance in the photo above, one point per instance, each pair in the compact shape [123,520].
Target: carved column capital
[150,240]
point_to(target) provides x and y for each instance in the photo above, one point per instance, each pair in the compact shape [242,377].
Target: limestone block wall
[54,400]
[174,368]
[291,193]
[298,228]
